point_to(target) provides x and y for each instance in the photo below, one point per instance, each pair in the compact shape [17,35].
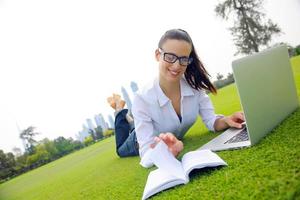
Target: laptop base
[219,142]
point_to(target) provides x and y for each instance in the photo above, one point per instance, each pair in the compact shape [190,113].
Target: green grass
[269,170]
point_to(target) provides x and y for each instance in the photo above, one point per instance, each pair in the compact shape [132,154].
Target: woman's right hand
[174,145]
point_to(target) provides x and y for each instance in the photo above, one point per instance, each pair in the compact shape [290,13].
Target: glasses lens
[170,58]
[184,61]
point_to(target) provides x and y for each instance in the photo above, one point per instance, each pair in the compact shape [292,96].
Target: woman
[169,107]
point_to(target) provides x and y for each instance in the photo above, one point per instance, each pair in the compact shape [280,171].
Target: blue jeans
[126,142]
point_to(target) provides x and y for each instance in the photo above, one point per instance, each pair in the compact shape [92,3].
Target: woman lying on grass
[169,107]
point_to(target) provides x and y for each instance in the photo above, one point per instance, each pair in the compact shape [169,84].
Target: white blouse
[153,114]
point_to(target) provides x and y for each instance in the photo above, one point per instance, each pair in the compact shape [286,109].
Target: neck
[169,88]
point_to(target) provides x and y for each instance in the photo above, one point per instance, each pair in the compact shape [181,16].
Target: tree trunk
[242,10]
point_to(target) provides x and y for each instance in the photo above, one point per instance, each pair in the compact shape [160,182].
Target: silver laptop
[267,92]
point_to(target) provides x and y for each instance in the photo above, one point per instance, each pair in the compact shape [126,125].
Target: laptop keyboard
[240,137]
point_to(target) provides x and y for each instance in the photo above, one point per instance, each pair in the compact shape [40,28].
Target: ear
[157,55]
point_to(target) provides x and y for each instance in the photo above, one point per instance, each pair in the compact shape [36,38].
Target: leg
[126,142]
[122,128]
[129,147]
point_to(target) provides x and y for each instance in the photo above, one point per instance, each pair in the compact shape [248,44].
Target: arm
[144,129]
[145,136]
[207,112]
[217,122]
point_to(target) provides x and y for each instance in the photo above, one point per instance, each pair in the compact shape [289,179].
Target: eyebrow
[173,53]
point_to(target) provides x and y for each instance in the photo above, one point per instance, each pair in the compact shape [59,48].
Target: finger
[152,145]
[171,137]
[240,115]
[157,139]
[235,124]
[164,138]
[161,135]
[168,138]
[173,151]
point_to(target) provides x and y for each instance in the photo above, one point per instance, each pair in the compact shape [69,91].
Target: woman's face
[172,72]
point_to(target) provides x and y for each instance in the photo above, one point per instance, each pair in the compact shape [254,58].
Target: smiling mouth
[174,73]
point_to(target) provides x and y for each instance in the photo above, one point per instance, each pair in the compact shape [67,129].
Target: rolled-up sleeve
[207,111]
[143,128]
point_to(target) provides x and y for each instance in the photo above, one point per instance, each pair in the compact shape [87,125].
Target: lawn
[269,170]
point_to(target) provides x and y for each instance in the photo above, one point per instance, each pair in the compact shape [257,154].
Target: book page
[200,159]
[166,161]
[158,180]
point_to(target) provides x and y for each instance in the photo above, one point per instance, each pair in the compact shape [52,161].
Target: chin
[174,78]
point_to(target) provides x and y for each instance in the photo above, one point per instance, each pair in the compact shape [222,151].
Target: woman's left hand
[235,120]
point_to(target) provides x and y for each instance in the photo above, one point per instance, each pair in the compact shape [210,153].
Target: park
[268,170]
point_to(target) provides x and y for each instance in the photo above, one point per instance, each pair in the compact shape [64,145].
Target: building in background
[90,124]
[101,122]
[85,132]
[111,122]
[97,120]
[134,87]
[126,98]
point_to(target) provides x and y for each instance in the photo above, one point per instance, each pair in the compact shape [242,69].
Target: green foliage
[219,76]
[43,152]
[99,133]
[108,133]
[63,145]
[7,163]
[88,141]
[250,31]
[223,82]
[28,136]
[294,51]
[268,170]
[297,50]
[50,147]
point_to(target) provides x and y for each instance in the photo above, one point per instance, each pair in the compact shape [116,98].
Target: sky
[61,59]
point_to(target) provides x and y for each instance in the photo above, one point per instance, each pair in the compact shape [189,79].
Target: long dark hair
[195,74]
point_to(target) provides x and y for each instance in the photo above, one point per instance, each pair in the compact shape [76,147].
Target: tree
[17,151]
[92,134]
[40,156]
[63,145]
[88,141]
[21,163]
[99,132]
[77,145]
[108,133]
[28,136]
[219,76]
[7,163]
[251,30]
[230,77]
[49,147]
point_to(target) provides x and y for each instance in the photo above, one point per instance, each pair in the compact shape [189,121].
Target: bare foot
[119,102]
[111,102]
[116,102]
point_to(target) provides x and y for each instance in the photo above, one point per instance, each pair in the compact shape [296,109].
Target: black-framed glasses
[172,58]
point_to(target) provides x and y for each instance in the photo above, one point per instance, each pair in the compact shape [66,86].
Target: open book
[172,172]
